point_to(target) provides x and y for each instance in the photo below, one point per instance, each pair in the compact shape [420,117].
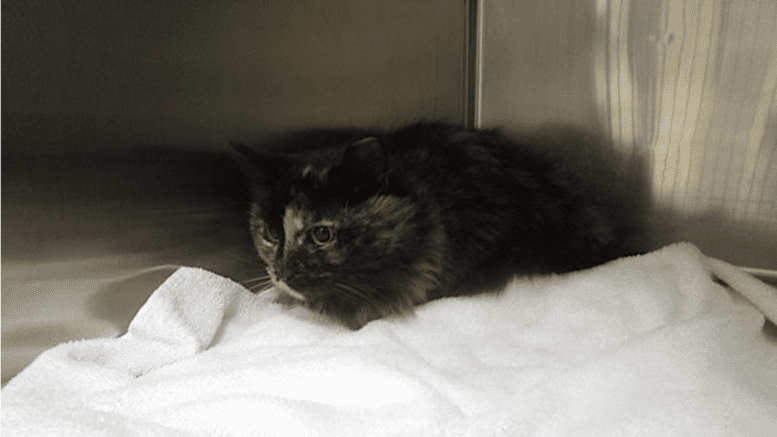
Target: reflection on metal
[536,63]
[695,84]
[473,63]
[614,90]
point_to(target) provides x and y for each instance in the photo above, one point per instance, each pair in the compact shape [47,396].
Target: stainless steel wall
[537,63]
[108,73]
[94,90]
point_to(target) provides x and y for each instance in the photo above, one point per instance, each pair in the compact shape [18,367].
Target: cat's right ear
[366,157]
[243,154]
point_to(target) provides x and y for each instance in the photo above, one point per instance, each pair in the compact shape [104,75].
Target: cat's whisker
[258,284]
[257,279]
[357,294]
[258,288]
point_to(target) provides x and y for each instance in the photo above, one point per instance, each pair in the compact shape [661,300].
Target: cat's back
[459,164]
[439,142]
[513,196]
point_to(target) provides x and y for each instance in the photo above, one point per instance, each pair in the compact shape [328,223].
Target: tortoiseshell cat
[358,225]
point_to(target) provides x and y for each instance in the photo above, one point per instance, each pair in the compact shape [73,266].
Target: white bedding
[641,346]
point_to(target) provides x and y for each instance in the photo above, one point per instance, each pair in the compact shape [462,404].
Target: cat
[360,224]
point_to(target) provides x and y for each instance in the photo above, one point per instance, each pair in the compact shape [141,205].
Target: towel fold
[646,345]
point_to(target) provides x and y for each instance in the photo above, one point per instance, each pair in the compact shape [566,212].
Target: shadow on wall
[161,201]
[613,181]
[622,179]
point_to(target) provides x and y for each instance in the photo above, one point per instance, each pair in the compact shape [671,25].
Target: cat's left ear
[366,157]
[258,168]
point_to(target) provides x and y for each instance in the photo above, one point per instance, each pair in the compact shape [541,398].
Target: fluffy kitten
[358,225]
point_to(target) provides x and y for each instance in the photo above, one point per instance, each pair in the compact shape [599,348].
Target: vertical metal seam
[473,62]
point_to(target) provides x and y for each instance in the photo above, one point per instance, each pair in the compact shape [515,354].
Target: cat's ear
[254,165]
[366,157]
[243,155]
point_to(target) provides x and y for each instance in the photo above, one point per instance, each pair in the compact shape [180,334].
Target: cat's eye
[270,236]
[322,234]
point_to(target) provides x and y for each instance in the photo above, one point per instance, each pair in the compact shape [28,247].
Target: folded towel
[646,345]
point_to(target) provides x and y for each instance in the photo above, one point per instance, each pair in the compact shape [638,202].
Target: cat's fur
[359,225]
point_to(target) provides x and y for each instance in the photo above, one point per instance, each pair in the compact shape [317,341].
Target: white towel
[646,345]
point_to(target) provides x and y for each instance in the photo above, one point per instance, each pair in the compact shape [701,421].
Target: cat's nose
[283,273]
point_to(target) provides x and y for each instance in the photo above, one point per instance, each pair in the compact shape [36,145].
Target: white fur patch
[293,227]
[284,288]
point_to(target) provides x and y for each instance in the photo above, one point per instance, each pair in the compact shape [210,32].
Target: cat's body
[366,224]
